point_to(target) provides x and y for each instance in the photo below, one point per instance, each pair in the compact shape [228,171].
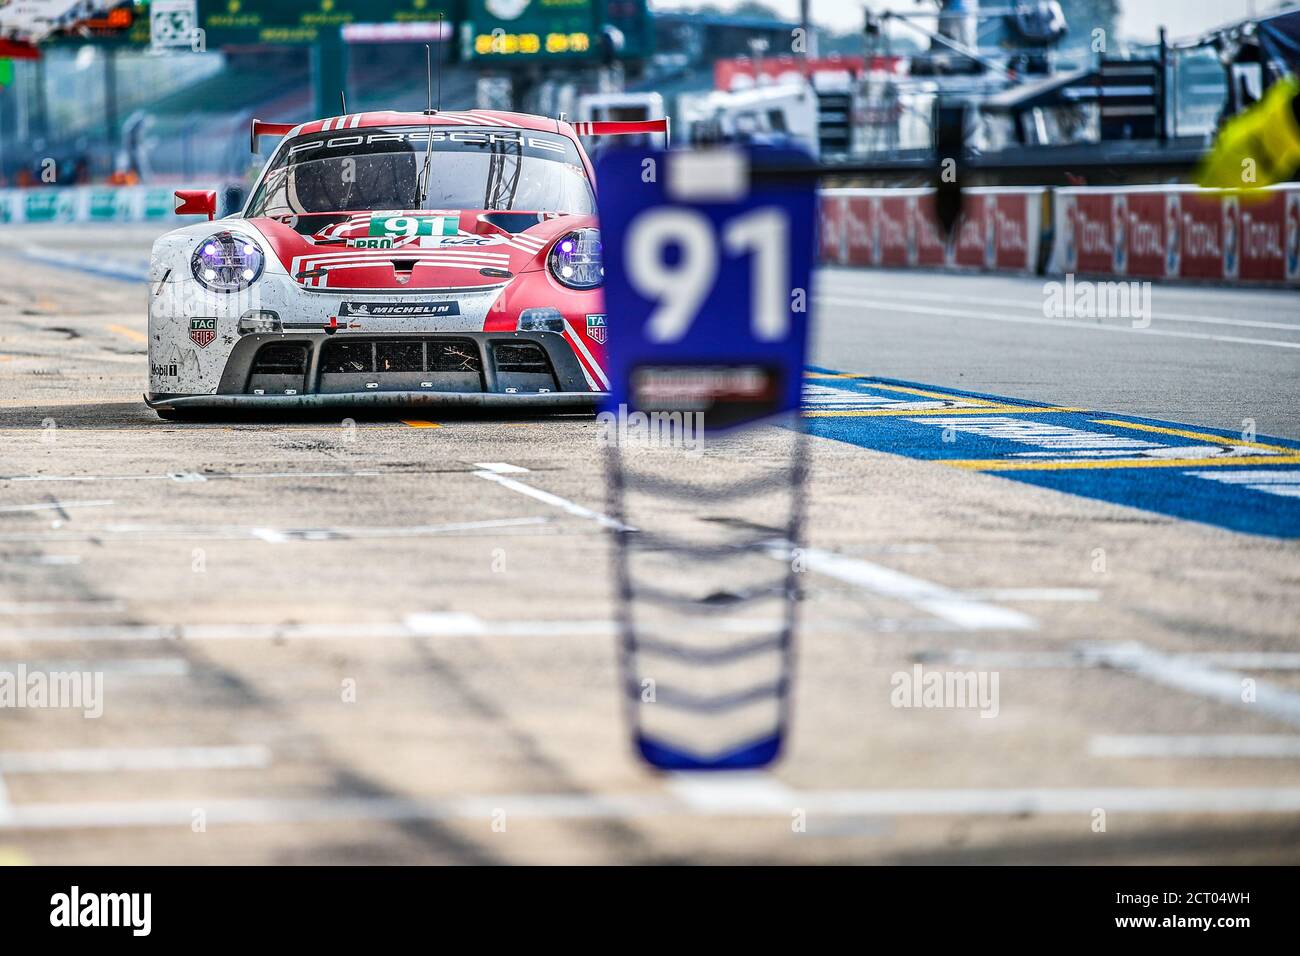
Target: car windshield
[381,168]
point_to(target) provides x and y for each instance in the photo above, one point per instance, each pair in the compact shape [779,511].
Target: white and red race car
[391,259]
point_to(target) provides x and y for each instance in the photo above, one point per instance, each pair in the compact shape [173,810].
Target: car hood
[449,248]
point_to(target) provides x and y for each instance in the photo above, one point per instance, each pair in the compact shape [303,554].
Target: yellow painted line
[414,423]
[131,334]
[924,393]
[1195,436]
[999,464]
[907,390]
[899,412]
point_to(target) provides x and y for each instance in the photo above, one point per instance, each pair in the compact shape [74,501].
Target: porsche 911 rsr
[390,259]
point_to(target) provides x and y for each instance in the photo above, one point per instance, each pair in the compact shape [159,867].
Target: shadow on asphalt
[93,415]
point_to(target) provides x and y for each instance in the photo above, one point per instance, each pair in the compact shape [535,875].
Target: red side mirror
[196,202]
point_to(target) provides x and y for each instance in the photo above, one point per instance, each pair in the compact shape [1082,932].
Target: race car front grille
[399,356]
[406,364]
[454,356]
[339,358]
[281,359]
[521,358]
[522,367]
[279,368]
[523,363]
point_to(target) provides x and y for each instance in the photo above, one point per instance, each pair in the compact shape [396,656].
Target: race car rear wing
[622,127]
[266,129]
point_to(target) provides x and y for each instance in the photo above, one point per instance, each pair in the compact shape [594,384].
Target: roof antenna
[343,99]
[428,67]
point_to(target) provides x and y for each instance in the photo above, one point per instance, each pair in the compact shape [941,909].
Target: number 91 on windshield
[707,292]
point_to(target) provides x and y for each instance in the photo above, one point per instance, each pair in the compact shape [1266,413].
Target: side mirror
[196,202]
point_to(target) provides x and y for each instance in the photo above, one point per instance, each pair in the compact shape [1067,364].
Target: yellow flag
[1259,147]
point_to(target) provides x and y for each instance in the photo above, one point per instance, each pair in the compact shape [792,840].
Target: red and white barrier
[1139,232]
[1178,232]
[1001,229]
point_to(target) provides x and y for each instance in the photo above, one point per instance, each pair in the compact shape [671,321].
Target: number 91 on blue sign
[708,271]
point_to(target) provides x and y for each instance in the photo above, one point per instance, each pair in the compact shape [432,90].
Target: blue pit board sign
[708,275]
[708,281]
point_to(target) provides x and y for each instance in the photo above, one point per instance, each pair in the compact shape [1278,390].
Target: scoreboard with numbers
[285,21]
[496,32]
[526,31]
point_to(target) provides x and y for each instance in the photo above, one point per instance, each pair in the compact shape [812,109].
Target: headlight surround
[227,262]
[577,260]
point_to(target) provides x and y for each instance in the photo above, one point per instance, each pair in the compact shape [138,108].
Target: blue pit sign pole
[708,280]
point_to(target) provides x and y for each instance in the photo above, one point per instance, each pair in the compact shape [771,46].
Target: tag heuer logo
[596,328]
[203,332]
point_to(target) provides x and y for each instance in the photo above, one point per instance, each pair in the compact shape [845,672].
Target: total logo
[1070,214]
[990,236]
[1231,237]
[1119,225]
[909,225]
[1173,235]
[1293,236]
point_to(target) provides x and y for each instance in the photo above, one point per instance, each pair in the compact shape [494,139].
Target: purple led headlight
[227,262]
[576,259]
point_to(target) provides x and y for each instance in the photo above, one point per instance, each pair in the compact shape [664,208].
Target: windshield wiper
[423,181]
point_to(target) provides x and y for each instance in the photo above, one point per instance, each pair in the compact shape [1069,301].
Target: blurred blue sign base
[707,296]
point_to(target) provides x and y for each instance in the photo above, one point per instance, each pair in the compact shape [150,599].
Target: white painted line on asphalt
[1240,660]
[1198,746]
[744,803]
[712,793]
[952,606]
[456,624]
[204,632]
[187,477]
[1034,303]
[1191,673]
[1248,660]
[432,624]
[57,506]
[47,559]
[1195,677]
[444,624]
[269,535]
[880,305]
[500,467]
[126,666]
[62,607]
[1065,595]
[115,759]
[555,501]
[1011,660]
